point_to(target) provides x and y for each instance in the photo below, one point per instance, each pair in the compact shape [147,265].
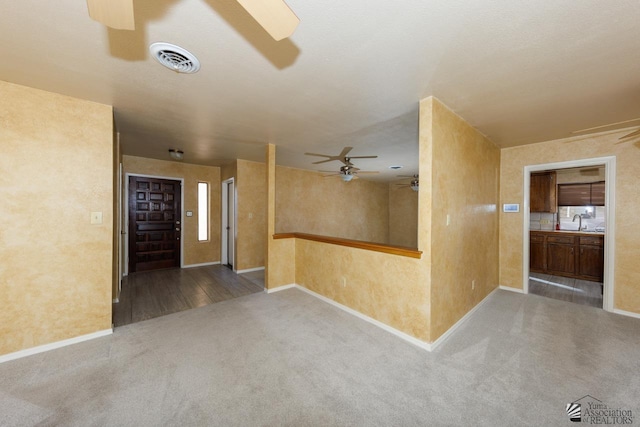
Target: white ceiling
[352,74]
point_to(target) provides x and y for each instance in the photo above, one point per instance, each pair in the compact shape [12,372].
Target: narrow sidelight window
[203,211]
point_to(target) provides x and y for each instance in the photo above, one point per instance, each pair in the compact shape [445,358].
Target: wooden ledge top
[378,247]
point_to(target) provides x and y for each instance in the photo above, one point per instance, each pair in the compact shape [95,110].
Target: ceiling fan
[347,172]
[414,184]
[340,157]
[273,15]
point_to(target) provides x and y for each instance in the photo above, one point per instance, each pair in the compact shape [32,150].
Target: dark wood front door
[154,223]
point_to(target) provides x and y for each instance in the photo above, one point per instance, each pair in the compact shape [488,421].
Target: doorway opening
[228,234]
[532,249]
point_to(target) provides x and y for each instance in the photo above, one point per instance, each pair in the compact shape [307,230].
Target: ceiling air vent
[175,58]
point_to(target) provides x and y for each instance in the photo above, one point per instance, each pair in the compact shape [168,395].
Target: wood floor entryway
[582,292]
[150,294]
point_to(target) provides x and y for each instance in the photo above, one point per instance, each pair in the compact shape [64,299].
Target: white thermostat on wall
[189,213]
[511,207]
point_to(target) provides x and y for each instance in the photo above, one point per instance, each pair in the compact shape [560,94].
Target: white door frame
[126,215]
[224,236]
[121,236]
[609,235]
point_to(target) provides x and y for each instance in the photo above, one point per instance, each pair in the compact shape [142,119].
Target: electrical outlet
[344,282]
[448,219]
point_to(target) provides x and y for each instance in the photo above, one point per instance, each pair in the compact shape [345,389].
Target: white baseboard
[510,289]
[396,332]
[459,323]
[415,341]
[626,313]
[249,270]
[52,346]
[281,288]
[203,264]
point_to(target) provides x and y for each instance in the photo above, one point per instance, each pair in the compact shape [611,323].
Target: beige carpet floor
[290,359]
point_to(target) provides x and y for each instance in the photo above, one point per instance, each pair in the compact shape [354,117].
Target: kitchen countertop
[576,232]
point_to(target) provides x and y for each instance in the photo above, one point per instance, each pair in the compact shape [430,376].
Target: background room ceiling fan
[414,184]
[273,15]
[347,172]
[342,157]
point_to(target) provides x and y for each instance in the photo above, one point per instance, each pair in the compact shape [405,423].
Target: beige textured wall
[466,187]
[627,249]
[388,288]
[251,190]
[55,266]
[568,176]
[308,203]
[403,216]
[195,252]
[229,171]
[280,268]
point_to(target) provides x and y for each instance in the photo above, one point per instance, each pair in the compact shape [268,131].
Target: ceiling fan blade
[344,152]
[317,155]
[322,161]
[363,157]
[361,172]
[116,14]
[273,15]
[634,133]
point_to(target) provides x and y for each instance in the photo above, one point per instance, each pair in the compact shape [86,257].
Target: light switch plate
[189,213]
[96,217]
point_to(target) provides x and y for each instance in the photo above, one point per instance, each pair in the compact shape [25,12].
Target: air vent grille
[175,58]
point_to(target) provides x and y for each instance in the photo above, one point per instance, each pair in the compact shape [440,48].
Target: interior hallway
[151,294]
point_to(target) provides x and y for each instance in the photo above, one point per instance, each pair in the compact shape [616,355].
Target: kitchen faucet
[579,221]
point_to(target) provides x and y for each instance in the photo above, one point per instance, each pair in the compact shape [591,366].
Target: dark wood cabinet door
[154,223]
[536,254]
[561,259]
[591,262]
[542,192]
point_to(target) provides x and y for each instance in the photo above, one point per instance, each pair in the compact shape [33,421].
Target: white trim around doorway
[224,256]
[126,216]
[609,163]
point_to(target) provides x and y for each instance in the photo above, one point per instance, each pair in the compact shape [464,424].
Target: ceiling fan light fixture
[346,177]
[415,185]
[176,154]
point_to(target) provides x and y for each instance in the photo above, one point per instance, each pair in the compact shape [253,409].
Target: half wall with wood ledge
[383,282]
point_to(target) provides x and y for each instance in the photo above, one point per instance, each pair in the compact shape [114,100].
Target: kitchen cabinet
[542,192]
[561,255]
[586,194]
[537,253]
[577,255]
[591,258]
